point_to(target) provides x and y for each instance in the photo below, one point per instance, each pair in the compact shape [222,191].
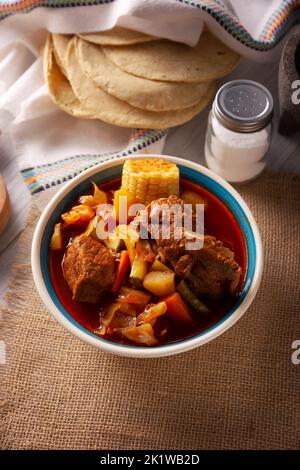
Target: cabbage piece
[115,317]
[142,334]
[91,230]
[56,242]
[129,295]
[151,312]
[106,317]
[99,197]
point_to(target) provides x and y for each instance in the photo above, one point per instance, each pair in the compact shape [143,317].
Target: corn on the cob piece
[150,178]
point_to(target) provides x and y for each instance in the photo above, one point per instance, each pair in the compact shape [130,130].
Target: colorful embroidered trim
[45,176]
[282,19]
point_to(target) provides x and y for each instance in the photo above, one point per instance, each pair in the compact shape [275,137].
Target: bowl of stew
[127,281]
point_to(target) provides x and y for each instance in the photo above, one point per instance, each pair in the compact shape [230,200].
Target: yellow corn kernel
[149,179]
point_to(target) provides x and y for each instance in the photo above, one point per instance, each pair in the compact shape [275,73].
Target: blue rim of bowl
[115,172]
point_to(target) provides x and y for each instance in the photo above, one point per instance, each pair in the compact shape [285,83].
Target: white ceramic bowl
[107,171]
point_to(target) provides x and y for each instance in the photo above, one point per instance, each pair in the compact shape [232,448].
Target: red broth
[218,221]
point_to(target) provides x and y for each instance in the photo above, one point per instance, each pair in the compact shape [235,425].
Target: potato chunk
[160,283]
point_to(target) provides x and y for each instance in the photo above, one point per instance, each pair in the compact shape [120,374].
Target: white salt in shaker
[239,130]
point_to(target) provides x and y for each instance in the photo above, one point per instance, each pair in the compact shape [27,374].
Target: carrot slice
[121,272]
[177,310]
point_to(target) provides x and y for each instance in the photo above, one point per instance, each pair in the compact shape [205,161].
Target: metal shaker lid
[243,106]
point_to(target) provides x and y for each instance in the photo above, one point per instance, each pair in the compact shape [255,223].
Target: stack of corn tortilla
[129,79]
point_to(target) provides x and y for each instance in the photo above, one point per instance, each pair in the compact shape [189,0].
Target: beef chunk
[210,270]
[146,221]
[88,268]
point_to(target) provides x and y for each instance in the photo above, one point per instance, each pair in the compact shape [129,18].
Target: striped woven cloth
[40,177]
[282,17]
[253,28]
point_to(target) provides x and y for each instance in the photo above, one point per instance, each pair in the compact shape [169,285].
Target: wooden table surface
[186,141]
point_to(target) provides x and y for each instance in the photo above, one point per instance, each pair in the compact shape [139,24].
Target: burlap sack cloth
[240,391]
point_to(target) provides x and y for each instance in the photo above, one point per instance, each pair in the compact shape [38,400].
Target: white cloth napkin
[44,134]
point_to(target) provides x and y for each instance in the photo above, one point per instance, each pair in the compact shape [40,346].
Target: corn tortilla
[60,43]
[139,92]
[114,111]
[59,88]
[170,61]
[117,36]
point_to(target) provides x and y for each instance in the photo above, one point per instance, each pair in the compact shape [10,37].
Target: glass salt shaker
[239,130]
